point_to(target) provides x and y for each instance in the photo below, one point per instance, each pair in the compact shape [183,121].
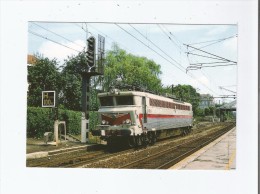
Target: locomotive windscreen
[124,100]
[106,101]
[120,100]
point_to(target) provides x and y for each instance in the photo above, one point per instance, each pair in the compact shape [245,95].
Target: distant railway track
[168,157]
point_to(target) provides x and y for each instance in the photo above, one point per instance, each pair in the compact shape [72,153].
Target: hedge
[41,120]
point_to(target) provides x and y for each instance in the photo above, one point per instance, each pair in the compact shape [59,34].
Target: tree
[212,110]
[131,70]
[207,111]
[185,93]
[199,112]
[72,83]
[43,75]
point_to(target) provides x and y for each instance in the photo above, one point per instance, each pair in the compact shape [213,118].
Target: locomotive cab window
[124,100]
[106,101]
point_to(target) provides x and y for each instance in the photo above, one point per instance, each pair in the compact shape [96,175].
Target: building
[31,59]
[206,101]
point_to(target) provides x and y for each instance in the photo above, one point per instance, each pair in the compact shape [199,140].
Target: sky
[164,43]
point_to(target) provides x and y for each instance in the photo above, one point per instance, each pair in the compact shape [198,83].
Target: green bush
[72,119]
[93,120]
[41,120]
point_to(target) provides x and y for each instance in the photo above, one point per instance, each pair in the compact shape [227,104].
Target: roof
[231,105]
[138,93]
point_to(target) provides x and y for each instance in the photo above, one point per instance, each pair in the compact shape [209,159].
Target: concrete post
[87,129]
[83,129]
[56,132]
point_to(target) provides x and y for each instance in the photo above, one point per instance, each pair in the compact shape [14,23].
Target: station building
[206,101]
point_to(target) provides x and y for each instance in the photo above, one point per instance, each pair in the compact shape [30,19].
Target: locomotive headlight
[127,121]
[103,122]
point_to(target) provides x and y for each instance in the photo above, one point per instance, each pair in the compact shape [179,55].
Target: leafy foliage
[207,111]
[131,70]
[199,112]
[41,120]
[71,81]
[72,84]
[44,75]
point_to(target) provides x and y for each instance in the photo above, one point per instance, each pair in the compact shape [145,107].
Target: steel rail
[156,155]
[189,152]
[102,157]
[59,162]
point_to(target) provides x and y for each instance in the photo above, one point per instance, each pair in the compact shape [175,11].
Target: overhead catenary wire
[82,47]
[184,71]
[221,58]
[148,46]
[229,86]
[181,50]
[177,40]
[222,88]
[201,72]
[156,46]
[173,35]
[199,66]
[105,35]
[87,31]
[212,43]
[216,62]
[109,37]
[178,46]
[222,39]
[39,35]
[57,34]
[187,56]
[203,56]
[202,66]
[217,41]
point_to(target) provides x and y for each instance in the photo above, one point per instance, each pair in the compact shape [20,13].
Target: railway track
[168,157]
[84,158]
[59,160]
[73,159]
[81,162]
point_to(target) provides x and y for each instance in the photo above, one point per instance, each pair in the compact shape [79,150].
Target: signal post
[86,76]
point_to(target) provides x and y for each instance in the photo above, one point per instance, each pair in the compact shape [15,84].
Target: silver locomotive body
[138,118]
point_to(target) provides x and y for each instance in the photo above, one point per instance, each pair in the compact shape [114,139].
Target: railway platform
[36,148]
[218,155]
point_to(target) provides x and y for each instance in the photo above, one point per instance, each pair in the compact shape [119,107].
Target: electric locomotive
[139,118]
